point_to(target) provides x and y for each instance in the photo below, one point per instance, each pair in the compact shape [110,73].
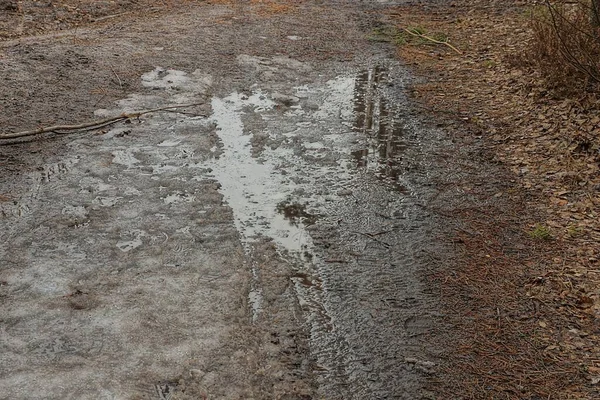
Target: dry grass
[566,46]
[524,295]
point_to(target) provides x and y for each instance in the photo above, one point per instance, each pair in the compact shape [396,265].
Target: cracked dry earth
[265,243]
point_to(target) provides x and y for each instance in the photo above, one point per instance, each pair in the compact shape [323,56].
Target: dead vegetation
[5,138]
[526,293]
[566,45]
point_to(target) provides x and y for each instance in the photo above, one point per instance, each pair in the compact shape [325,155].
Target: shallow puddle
[252,187]
[325,178]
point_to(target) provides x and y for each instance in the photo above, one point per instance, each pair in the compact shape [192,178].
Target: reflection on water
[377,120]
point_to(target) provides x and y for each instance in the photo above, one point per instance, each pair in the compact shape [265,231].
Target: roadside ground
[30,17]
[27,18]
[525,297]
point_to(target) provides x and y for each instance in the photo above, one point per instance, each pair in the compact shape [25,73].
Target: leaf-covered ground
[526,296]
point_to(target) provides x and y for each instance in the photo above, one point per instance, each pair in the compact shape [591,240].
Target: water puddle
[253,188]
[336,104]
[302,162]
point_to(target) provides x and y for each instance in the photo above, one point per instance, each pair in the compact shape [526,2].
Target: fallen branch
[420,35]
[372,237]
[88,126]
[118,79]
[99,19]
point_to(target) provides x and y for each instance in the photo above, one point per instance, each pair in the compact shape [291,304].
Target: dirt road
[266,242]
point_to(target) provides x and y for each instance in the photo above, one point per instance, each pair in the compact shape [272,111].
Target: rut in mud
[267,244]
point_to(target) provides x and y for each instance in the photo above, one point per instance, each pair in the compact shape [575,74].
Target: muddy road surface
[266,240]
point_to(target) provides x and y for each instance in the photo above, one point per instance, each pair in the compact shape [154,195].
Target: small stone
[197,373]
[284,99]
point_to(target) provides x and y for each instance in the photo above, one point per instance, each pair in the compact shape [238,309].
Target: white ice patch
[131,191]
[160,78]
[336,104]
[161,169]
[103,187]
[178,197]
[184,86]
[116,132]
[169,143]
[128,245]
[314,146]
[252,189]
[76,211]
[125,157]
[106,201]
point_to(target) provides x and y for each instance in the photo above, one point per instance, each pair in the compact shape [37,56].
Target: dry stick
[90,125]
[110,16]
[191,114]
[118,79]
[79,127]
[564,49]
[420,35]
[372,237]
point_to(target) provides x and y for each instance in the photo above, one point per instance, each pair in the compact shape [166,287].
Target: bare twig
[118,79]
[104,18]
[88,126]
[565,49]
[420,35]
[372,237]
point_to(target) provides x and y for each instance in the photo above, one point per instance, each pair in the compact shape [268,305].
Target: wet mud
[267,244]
[296,213]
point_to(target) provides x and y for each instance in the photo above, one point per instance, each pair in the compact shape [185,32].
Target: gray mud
[268,243]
